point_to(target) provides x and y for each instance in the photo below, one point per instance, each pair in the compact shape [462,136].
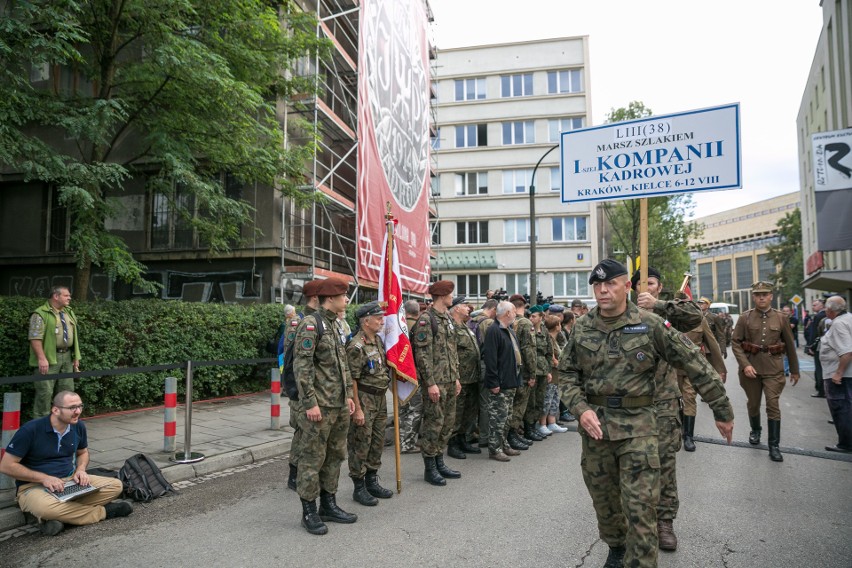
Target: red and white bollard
[170,415]
[11,423]
[275,408]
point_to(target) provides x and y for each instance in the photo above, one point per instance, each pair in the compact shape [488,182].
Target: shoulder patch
[307,344]
[421,322]
[685,340]
[421,336]
[638,328]
[294,323]
[310,327]
[667,323]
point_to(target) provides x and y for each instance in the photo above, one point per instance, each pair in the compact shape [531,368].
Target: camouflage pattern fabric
[321,369]
[499,406]
[543,366]
[366,442]
[295,407]
[519,405]
[323,449]
[438,417]
[470,360]
[410,416]
[670,439]
[467,409]
[527,342]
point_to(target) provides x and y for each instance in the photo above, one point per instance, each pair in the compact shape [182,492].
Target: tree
[175,92]
[788,255]
[669,231]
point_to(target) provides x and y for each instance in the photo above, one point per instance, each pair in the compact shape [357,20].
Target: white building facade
[500,109]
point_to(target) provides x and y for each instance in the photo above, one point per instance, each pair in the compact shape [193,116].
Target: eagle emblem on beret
[600,272]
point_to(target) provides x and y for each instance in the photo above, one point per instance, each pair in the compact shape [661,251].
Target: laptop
[73,490]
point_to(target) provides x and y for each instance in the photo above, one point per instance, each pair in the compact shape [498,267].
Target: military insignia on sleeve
[307,344]
[640,356]
[310,327]
[291,336]
[686,341]
[667,323]
[421,336]
[421,322]
[294,323]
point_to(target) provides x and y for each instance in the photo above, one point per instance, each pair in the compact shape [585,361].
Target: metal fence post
[275,402]
[170,415]
[11,423]
[187,456]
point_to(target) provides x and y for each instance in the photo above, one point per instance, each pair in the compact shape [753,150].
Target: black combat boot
[444,470]
[291,480]
[361,495]
[469,447]
[615,558]
[330,512]
[515,441]
[310,519]
[454,451]
[688,429]
[756,430]
[531,434]
[667,539]
[521,436]
[774,427]
[431,472]
[374,488]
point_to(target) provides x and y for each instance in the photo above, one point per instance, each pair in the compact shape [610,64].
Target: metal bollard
[275,408]
[11,423]
[187,456]
[170,415]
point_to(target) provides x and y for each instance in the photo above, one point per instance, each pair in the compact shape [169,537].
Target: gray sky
[676,56]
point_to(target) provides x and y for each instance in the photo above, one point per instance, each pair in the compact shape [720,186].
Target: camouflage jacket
[468,353]
[621,359]
[683,315]
[435,354]
[543,352]
[523,329]
[321,368]
[367,361]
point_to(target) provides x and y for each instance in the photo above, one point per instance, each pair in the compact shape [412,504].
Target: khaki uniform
[368,365]
[58,333]
[527,340]
[705,340]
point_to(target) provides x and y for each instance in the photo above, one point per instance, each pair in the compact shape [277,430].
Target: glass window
[745,272]
[470,89]
[471,183]
[518,231]
[519,132]
[471,135]
[723,276]
[57,239]
[765,267]
[472,285]
[435,229]
[171,225]
[557,126]
[436,140]
[571,284]
[516,181]
[520,85]
[555,179]
[569,229]
[567,81]
[472,232]
[705,279]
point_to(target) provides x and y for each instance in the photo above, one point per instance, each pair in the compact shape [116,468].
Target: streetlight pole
[533,272]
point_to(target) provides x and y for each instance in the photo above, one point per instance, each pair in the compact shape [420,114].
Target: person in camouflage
[606,375]
[325,394]
[522,439]
[368,365]
[543,376]
[479,325]
[434,344]
[411,412]
[467,403]
[502,363]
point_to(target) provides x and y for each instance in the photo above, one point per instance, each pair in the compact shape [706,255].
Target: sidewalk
[228,432]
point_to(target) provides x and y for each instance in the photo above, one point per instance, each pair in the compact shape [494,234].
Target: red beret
[310,288]
[332,287]
[517,298]
[441,288]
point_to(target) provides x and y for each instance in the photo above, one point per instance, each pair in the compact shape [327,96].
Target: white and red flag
[394,334]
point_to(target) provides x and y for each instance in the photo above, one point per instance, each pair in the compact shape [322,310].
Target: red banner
[393,138]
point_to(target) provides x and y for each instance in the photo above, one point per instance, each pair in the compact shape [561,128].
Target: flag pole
[388,276]
[686,277]
[643,244]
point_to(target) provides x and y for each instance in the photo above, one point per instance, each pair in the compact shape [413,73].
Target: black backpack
[288,375]
[142,479]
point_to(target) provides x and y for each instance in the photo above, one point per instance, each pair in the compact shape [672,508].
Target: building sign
[832,159]
[691,151]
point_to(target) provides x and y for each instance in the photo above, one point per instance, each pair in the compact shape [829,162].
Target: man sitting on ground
[48,451]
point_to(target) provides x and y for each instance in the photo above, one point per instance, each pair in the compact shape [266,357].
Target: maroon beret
[517,298]
[310,288]
[332,287]
[441,288]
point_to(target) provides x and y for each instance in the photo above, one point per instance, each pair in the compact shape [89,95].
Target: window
[569,81]
[723,276]
[520,85]
[518,230]
[705,279]
[472,285]
[765,267]
[557,126]
[171,225]
[435,187]
[435,229]
[520,283]
[555,179]
[472,183]
[470,89]
[569,229]
[472,232]
[519,132]
[436,140]
[745,272]
[59,224]
[571,284]
[516,181]
[471,135]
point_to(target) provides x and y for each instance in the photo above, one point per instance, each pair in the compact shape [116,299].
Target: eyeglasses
[75,408]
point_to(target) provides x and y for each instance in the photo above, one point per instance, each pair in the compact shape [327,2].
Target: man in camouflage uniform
[467,403]
[309,292]
[526,337]
[411,412]
[761,338]
[606,376]
[683,315]
[368,365]
[479,325]
[717,326]
[437,371]
[543,376]
[325,394]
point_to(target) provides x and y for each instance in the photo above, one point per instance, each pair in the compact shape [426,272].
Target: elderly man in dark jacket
[502,357]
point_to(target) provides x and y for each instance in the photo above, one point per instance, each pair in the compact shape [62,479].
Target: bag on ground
[142,479]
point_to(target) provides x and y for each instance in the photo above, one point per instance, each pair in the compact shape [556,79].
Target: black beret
[652,272]
[441,288]
[607,269]
[332,287]
[457,300]
[369,309]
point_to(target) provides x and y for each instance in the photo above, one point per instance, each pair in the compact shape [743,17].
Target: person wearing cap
[607,379]
[367,362]
[325,393]
[717,326]
[479,324]
[543,377]
[467,403]
[411,412]
[502,361]
[520,435]
[761,337]
[437,365]
[577,307]
[836,355]
[684,316]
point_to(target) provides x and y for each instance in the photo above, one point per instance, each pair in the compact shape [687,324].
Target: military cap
[578,303]
[556,308]
[517,298]
[332,287]
[475,313]
[607,269]
[537,310]
[457,300]
[652,272]
[704,300]
[761,286]
[827,295]
[369,309]
[310,288]
[441,288]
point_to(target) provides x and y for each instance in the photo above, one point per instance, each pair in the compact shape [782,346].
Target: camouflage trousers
[519,405]
[535,404]
[467,409]
[484,402]
[670,438]
[322,450]
[410,415]
[295,411]
[366,442]
[764,385]
[438,418]
[499,407]
[623,479]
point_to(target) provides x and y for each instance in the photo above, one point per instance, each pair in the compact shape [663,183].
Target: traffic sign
[796,299]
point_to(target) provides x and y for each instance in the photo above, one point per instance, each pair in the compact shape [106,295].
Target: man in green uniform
[525,333]
[761,338]
[480,324]
[467,403]
[368,365]
[543,376]
[325,395]
[411,412]
[54,347]
[434,343]
[607,379]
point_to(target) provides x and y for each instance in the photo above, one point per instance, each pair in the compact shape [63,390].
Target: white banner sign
[832,160]
[690,151]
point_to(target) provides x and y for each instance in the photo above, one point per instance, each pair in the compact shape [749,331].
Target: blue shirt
[41,448]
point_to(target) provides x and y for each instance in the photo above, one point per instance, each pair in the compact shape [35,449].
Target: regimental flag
[688,291]
[394,334]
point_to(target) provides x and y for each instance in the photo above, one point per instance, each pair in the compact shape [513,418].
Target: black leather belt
[621,401]
[371,390]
